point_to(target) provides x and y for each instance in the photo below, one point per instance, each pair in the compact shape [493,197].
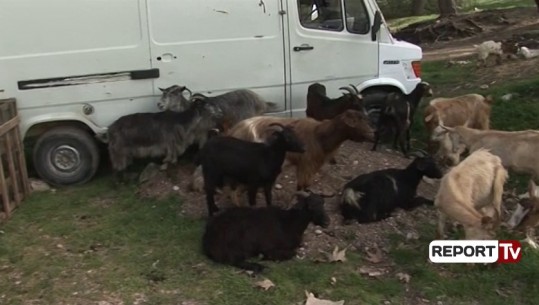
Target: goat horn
[355,88]
[350,90]
[277,124]
[162,90]
[303,194]
[187,89]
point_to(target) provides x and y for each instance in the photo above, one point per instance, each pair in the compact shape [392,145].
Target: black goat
[228,160]
[372,197]
[167,133]
[397,115]
[240,233]
[321,107]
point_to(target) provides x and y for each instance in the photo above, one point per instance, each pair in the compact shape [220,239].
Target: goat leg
[376,139]
[251,195]
[440,233]
[210,200]
[267,194]
[280,254]
[255,267]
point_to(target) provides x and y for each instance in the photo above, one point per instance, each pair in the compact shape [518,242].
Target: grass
[95,243]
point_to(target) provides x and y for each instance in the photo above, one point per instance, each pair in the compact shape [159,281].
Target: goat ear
[446,128]
[429,117]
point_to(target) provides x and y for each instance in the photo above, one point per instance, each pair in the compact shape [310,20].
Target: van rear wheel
[66,156]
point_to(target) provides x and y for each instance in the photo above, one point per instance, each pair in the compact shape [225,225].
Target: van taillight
[416,65]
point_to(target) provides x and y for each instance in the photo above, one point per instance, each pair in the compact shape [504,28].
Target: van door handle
[303,47]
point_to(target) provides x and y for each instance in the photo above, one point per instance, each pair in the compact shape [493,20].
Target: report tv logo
[475,251]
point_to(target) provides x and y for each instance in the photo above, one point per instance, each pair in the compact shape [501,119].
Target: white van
[74,67]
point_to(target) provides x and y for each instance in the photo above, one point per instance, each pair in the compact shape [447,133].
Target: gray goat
[235,105]
[167,133]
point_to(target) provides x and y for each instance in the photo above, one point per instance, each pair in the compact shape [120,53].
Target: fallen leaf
[312,300]
[375,256]
[371,271]
[337,256]
[333,280]
[265,284]
[403,277]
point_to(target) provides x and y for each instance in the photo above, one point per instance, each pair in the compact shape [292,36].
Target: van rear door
[214,46]
[327,48]
[58,55]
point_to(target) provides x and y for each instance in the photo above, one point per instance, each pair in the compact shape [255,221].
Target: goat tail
[351,197]
[270,107]
[500,176]
[489,99]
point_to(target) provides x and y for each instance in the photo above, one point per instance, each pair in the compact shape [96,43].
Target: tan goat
[471,193]
[473,109]
[517,149]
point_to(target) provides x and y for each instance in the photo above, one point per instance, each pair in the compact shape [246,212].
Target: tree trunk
[537,3]
[448,8]
[418,6]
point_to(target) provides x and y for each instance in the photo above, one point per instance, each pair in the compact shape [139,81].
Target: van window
[321,14]
[357,19]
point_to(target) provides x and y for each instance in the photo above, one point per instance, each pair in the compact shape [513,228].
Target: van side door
[215,46]
[330,43]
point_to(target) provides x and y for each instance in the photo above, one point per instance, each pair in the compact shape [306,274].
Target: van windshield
[328,15]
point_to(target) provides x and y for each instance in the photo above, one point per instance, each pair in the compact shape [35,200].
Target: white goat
[527,53]
[471,193]
[486,48]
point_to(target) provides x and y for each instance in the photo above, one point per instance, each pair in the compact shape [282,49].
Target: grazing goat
[235,105]
[228,160]
[167,133]
[471,193]
[473,109]
[517,149]
[321,107]
[372,197]
[485,49]
[322,138]
[240,233]
[398,115]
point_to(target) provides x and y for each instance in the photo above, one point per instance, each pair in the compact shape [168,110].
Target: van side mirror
[376,25]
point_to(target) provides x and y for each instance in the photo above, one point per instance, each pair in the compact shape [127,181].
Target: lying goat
[321,107]
[228,160]
[240,233]
[471,193]
[397,115]
[167,133]
[235,105]
[372,197]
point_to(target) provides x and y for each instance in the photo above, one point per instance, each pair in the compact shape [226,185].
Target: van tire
[66,156]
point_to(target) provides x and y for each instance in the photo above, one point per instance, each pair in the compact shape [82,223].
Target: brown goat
[322,138]
[471,109]
[471,193]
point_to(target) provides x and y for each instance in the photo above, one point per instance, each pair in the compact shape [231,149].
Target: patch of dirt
[353,159]
[454,38]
